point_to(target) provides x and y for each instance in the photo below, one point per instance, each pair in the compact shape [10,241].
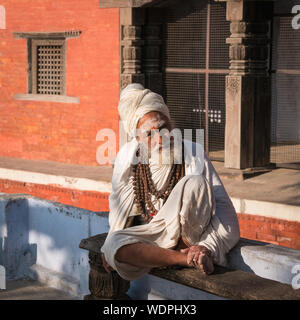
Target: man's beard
[162,154]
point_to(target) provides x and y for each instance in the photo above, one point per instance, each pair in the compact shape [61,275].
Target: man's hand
[106,266]
[199,257]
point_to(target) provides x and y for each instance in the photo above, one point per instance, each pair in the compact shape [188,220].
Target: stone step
[25,289]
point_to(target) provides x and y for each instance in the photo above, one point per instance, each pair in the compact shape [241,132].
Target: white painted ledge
[46,98]
[55,180]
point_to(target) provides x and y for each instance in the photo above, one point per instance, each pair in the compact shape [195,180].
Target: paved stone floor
[31,290]
[280,185]
[97,173]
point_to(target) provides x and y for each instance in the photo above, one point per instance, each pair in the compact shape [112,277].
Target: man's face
[149,127]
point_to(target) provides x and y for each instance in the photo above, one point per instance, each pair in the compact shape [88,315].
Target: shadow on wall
[39,239]
[16,251]
[265,260]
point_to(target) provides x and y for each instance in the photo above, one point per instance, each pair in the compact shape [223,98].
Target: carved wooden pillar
[152,50]
[248,90]
[131,22]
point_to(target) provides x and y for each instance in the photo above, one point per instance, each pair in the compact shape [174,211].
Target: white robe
[198,208]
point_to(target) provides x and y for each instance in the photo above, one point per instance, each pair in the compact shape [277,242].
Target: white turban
[135,102]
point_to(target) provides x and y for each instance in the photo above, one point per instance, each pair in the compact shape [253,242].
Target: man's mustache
[166,153]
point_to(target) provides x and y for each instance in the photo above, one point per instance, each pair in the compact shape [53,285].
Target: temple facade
[228,67]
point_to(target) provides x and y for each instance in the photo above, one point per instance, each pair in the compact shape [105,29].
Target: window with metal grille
[195,63]
[285,70]
[48,67]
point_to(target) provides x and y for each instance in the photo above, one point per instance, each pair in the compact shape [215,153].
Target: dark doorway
[285,70]
[195,62]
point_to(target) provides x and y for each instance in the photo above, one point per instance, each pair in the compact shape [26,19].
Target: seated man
[164,214]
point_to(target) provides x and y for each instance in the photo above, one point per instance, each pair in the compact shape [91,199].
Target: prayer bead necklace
[143,187]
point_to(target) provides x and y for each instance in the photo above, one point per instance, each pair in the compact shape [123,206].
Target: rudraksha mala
[143,187]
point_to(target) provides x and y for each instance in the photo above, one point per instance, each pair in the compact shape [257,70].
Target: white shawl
[121,199]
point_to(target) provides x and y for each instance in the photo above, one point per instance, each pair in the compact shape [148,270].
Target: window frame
[33,38]
[32,81]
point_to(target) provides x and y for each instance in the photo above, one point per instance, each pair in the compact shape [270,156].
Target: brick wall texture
[62,132]
[277,231]
[90,200]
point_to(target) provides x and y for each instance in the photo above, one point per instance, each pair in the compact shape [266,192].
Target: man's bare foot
[200,258]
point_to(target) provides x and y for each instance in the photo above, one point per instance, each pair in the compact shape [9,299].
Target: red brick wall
[90,200]
[271,230]
[277,231]
[60,132]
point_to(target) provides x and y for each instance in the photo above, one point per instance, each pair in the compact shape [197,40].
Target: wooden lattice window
[48,67]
